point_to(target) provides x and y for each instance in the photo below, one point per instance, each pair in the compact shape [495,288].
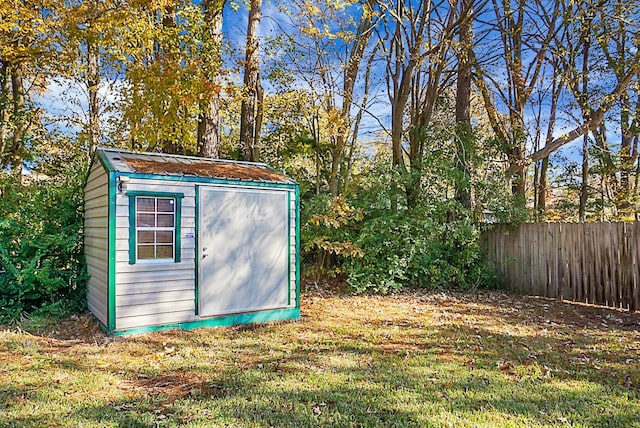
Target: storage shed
[180,241]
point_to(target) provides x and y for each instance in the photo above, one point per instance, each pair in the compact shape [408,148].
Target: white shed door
[243,254]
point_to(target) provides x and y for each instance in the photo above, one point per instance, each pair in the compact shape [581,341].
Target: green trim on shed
[289,248]
[208,180]
[178,251]
[105,161]
[132,230]
[132,221]
[100,324]
[111,237]
[224,321]
[297,246]
[196,281]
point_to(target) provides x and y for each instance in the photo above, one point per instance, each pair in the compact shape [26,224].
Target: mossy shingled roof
[178,165]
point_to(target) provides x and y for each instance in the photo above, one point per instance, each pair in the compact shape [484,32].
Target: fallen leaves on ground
[447,343]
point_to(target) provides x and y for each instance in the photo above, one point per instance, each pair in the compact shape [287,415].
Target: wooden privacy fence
[583,262]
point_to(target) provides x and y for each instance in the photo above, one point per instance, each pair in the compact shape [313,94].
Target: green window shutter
[132,229]
[178,241]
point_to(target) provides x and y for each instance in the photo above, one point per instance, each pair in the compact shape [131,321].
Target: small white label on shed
[190,235]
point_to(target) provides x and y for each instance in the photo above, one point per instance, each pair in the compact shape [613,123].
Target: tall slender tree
[524,31]
[541,185]
[418,37]
[252,92]
[326,51]
[464,133]
[30,33]
[209,120]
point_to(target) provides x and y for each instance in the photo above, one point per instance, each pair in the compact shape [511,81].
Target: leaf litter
[487,338]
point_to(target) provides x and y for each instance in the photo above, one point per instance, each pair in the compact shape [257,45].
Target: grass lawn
[414,359]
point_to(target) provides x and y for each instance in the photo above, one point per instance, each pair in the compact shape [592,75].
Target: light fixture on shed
[122,184]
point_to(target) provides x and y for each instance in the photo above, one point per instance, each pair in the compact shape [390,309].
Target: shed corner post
[196,285]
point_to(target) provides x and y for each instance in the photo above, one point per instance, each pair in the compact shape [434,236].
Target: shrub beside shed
[179,241]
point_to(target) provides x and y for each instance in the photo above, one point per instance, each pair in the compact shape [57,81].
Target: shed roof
[179,166]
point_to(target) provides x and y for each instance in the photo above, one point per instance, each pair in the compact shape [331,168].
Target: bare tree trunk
[637,178]
[584,188]
[5,94]
[259,119]
[208,126]
[607,165]
[362,36]
[556,89]
[20,117]
[464,134]
[542,188]
[358,118]
[93,83]
[628,154]
[401,77]
[537,165]
[626,161]
[315,131]
[635,156]
[248,113]
[208,138]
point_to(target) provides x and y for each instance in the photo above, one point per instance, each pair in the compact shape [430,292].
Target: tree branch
[594,121]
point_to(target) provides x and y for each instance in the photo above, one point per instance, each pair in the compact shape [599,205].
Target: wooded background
[323,88]
[407,123]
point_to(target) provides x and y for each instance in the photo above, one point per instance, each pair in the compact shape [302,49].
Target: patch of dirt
[323,286]
[174,386]
[83,328]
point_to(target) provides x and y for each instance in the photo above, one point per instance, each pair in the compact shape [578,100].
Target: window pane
[164,252]
[165,205]
[152,214]
[146,220]
[145,251]
[146,204]
[164,237]
[165,220]
[145,237]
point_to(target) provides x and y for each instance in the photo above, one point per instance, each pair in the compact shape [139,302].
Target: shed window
[154,226]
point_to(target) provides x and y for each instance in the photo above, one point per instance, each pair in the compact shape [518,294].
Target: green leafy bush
[421,247]
[433,244]
[41,250]
[379,249]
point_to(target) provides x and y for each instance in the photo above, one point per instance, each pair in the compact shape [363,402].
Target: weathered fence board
[584,262]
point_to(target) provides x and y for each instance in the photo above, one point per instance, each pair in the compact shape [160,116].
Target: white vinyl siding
[162,292]
[96,223]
